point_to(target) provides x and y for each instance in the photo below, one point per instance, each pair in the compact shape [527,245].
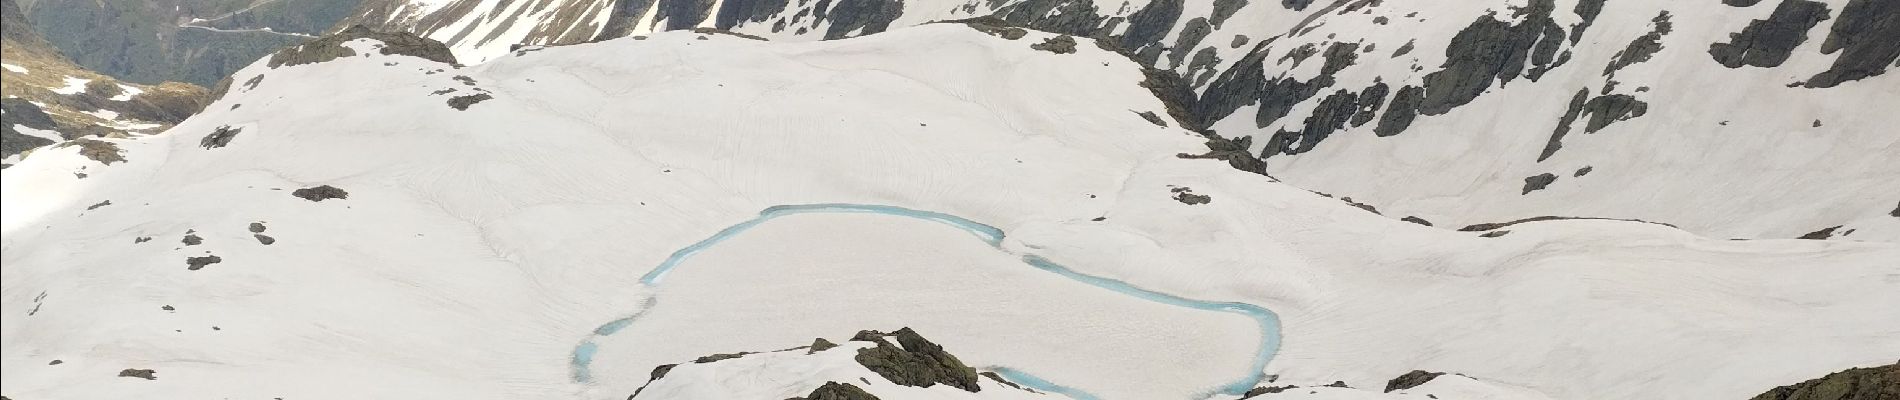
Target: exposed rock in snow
[462,102]
[336,46]
[868,367]
[320,193]
[220,137]
[1873,383]
[1411,380]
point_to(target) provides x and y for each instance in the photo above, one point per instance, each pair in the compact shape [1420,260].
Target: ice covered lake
[1186,327]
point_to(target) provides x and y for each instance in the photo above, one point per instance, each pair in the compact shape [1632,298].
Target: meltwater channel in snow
[1269,323]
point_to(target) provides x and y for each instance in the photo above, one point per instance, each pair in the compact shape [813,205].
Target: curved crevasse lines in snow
[1269,322]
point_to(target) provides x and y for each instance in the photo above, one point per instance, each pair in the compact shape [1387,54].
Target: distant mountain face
[196,41]
[1694,113]
[48,99]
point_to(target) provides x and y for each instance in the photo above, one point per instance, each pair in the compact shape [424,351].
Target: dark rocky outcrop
[266,240]
[197,263]
[996,27]
[1493,50]
[720,357]
[999,379]
[845,17]
[1152,118]
[461,103]
[1410,380]
[139,373]
[656,374]
[1821,234]
[1331,114]
[1768,42]
[1416,220]
[1538,182]
[820,344]
[97,150]
[1874,383]
[837,391]
[903,357]
[1224,9]
[915,361]
[1265,390]
[1583,171]
[731,13]
[1147,27]
[1867,36]
[1186,196]
[1643,47]
[219,138]
[256,227]
[331,47]
[96,206]
[1405,48]
[1234,151]
[320,193]
[1740,3]
[1496,225]
[1189,38]
[1492,234]
[1061,44]
[1607,109]
[1363,206]
[1601,110]
[22,112]
[717,31]
[682,14]
[1369,102]
[250,84]
[1401,113]
[861,16]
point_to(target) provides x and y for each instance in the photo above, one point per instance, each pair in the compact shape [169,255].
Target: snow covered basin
[804,271]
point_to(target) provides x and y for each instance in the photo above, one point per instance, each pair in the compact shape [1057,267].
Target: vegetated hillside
[361,209]
[1740,119]
[194,41]
[46,99]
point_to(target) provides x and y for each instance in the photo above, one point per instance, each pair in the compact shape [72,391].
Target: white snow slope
[477,247]
[1734,152]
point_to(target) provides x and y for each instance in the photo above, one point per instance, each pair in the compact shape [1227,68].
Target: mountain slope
[195,41]
[422,230]
[1682,112]
[48,99]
